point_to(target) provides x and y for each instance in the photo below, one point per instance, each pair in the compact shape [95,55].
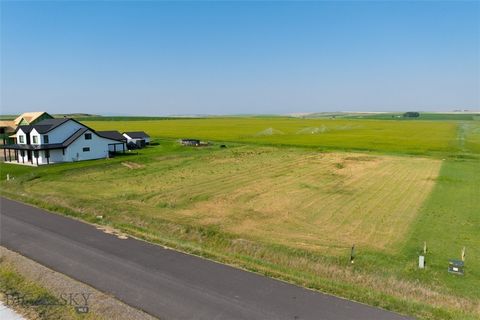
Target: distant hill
[392,115]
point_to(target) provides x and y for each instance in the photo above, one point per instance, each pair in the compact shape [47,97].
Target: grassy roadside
[448,222]
[33,300]
[329,275]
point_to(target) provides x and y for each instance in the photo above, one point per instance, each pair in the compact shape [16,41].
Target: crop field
[413,137]
[289,197]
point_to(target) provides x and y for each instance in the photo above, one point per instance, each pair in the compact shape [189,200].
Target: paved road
[162,282]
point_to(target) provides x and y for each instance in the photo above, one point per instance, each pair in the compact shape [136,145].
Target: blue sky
[162,58]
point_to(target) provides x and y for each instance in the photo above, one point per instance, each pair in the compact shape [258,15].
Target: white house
[137,137]
[61,140]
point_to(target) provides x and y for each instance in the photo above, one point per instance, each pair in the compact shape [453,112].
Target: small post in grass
[421,257]
[352,254]
[463,254]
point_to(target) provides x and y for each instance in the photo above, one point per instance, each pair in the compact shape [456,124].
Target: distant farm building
[60,140]
[6,129]
[136,138]
[190,142]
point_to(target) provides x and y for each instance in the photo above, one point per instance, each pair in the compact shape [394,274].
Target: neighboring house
[7,127]
[28,118]
[59,140]
[137,137]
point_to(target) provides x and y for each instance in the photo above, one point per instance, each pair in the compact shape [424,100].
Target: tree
[411,114]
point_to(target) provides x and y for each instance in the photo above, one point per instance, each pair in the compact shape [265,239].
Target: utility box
[456,267]
[421,262]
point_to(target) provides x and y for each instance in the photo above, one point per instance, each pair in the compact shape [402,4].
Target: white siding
[98,148]
[34,133]
[21,133]
[62,132]
[56,156]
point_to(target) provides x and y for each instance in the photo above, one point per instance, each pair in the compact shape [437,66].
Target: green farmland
[412,137]
[289,197]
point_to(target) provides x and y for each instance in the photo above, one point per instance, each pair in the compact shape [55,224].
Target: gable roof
[43,126]
[49,146]
[77,134]
[25,129]
[49,124]
[29,117]
[10,124]
[137,134]
[113,135]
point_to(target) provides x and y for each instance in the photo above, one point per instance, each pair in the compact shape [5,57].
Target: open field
[289,197]
[439,138]
[305,199]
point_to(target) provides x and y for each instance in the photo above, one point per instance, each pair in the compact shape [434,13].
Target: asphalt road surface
[164,283]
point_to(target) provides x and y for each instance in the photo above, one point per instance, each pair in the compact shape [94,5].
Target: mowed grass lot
[302,199]
[414,137]
[294,212]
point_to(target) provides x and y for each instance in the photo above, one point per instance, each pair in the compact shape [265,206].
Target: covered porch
[29,154]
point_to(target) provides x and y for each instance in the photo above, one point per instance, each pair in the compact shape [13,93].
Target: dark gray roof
[48,124]
[17,146]
[48,146]
[113,135]
[137,134]
[44,126]
[25,128]
[74,136]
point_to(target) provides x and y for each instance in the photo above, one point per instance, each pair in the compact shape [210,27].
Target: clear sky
[162,58]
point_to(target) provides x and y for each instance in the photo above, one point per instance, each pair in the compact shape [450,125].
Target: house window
[45,138]
[35,139]
[35,153]
[47,153]
[88,136]
[21,139]
[22,153]
[86,149]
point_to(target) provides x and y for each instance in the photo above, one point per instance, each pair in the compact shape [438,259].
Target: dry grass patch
[132,165]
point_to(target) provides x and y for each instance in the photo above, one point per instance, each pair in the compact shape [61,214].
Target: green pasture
[441,138]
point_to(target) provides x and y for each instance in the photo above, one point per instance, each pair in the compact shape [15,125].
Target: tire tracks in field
[257,171]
